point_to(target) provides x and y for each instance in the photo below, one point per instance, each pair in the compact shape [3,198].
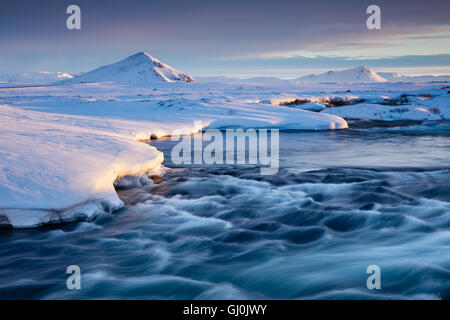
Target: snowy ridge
[140,68]
[356,75]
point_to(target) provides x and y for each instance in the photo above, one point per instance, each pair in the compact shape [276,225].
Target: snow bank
[434,109]
[283,118]
[439,105]
[53,169]
[381,112]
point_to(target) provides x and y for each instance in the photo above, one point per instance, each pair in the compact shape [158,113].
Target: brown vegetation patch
[295,102]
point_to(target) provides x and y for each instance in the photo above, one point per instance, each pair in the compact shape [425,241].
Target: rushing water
[341,201]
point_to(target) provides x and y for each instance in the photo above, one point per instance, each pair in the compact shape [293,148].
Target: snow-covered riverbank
[63,147]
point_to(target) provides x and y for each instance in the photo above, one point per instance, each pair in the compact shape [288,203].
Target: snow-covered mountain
[41,77]
[354,75]
[139,68]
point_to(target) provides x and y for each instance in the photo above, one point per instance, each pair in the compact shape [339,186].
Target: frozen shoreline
[62,148]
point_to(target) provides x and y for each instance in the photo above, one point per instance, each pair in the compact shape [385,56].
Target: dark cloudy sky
[233,37]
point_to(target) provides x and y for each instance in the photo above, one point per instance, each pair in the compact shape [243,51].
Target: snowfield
[365,111]
[62,147]
[414,106]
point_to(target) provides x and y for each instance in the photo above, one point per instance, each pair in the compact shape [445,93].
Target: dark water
[341,201]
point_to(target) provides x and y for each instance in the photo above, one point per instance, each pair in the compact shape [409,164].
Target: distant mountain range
[395,77]
[33,78]
[354,75]
[361,74]
[142,68]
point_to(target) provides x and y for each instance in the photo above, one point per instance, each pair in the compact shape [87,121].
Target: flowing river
[341,201]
